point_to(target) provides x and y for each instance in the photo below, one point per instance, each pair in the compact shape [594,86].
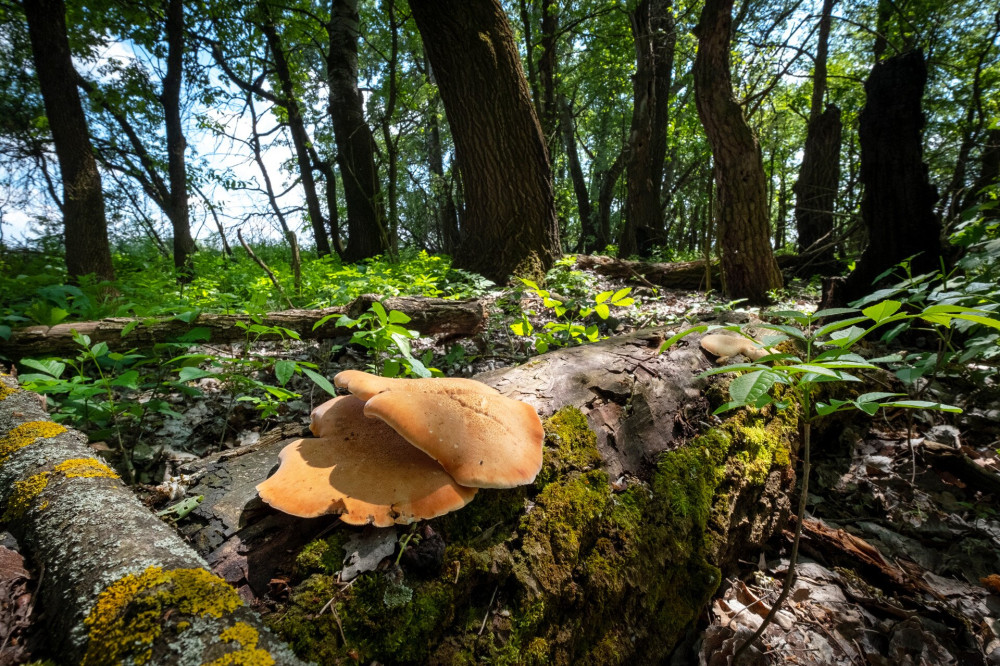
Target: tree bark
[429,316]
[184,245]
[366,225]
[296,126]
[120,584]
[653,32]
[584,209]
[819,178]
[898,203]
[748,264]
[510,224]
[85,226]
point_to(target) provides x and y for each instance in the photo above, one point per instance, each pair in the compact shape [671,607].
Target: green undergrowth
[568,570]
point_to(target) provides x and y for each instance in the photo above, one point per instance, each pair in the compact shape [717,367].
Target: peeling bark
[429,316]
[120,584]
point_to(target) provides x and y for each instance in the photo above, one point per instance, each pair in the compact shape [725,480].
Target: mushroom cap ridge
[482,440]
[365,385]
[364,471]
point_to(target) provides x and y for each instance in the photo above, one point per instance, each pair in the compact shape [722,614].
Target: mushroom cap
[320,424]
[365,385]
[483,440]
[722,345]
[365,472]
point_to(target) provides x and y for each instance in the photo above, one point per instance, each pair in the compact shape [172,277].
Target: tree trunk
[585,210]
[898,203]
[609,557]
[819,179]
[653,31]
[510,223]
[85,226]
[429,316]
[184,245]
[121,586]
[605,197]
[989,174]
[441,188]
[748,264]
[366,225]
[296,127]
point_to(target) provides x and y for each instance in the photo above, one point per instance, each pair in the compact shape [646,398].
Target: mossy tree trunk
[609,557]
[120,584]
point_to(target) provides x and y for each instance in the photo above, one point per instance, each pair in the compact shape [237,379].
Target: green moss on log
[569,570]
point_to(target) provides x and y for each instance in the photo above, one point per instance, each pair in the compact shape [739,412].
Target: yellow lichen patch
[129,615]
[248,654]
[87,468]
[24,494]
[26,434]
[6,391]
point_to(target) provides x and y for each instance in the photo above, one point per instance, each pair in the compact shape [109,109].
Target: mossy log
[120,586]
[429,316]
[644,501]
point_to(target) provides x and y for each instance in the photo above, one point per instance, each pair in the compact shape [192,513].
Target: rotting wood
[685,274]
[639,403]
[120,584]
[428,316]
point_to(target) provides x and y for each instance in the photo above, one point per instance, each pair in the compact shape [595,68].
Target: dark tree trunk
[85,226]
[366,227]
[549,118]
[391,146]
[447,216]
[819,178]
[296,127]
[510,221]
[748,264]
[585,210]
[654,35]
[605,197]
[184,245]
[898,203]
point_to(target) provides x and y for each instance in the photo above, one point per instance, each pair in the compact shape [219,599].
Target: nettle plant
[568,329]
[824,353]
[388,342]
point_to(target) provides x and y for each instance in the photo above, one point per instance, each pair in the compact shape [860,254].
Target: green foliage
[388,342]
[568,329]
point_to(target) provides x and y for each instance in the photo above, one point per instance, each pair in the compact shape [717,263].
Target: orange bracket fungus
[401,450]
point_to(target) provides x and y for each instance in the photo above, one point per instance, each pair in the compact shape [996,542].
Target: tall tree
[819,178]
[170,98]
[898,203]
[653,31]
[748,265]
[85,226]
[510,221]
[367,235]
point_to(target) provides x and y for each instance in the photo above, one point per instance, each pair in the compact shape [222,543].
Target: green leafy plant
[387,341]
[568,328]
[822,353]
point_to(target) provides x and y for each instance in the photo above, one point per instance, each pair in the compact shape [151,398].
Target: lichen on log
[120,585]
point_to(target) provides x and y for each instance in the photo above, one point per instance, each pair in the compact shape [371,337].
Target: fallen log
[120,586]
[429,316]
[610,556]
[687,274]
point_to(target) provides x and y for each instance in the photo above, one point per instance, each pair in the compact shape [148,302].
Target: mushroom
[724,346]
[480,437]
[365,385]
[362,470]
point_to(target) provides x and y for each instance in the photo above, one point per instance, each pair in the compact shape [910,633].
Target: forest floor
[900,558]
